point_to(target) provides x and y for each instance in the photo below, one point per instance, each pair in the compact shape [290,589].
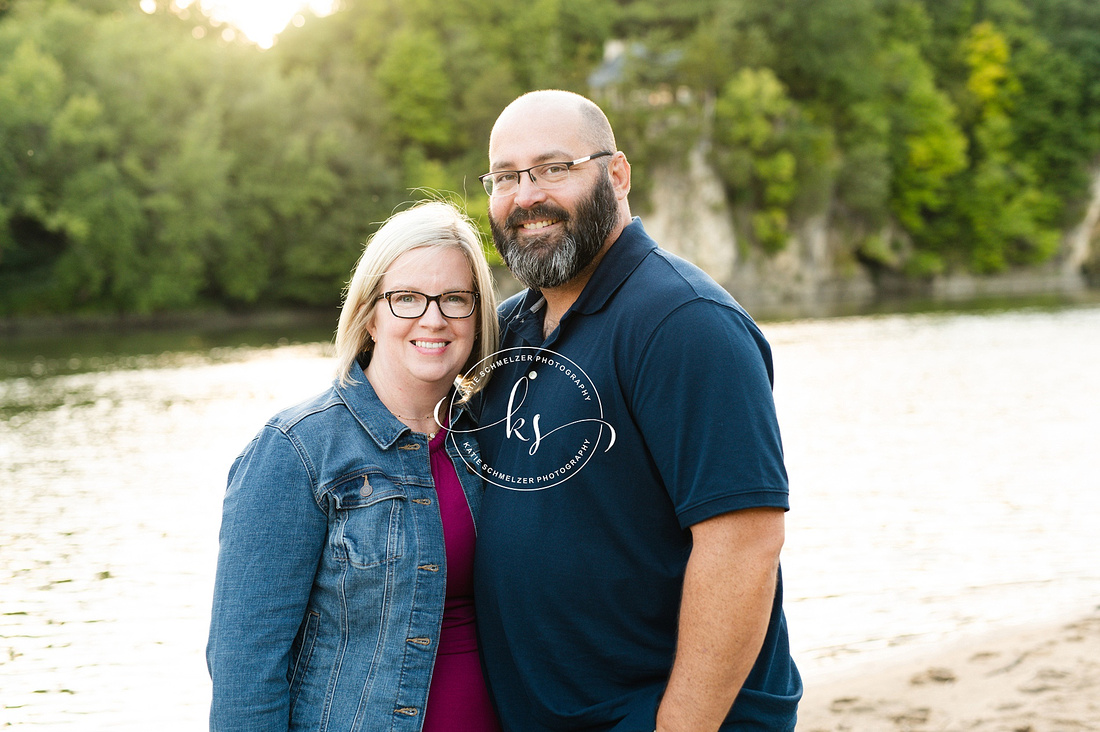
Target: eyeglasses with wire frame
[545,175]
[454,304]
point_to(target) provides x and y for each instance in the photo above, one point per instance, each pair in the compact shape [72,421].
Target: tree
[999,216]
[753,121]
[927,147]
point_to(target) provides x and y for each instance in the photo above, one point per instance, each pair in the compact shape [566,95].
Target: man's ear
[619,170]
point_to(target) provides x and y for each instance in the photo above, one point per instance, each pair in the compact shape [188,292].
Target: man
[627,572]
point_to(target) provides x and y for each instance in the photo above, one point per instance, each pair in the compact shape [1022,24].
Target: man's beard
[538,261]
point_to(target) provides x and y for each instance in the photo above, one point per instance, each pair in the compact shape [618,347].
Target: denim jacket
[331,573]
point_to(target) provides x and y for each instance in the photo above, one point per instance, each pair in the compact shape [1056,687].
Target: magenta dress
[458,700]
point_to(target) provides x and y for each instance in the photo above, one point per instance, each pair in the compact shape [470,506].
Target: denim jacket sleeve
[272,537]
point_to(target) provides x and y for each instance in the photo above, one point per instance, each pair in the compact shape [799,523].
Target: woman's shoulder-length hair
[426,224]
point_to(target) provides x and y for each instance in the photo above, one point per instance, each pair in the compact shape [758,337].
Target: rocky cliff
[688,213]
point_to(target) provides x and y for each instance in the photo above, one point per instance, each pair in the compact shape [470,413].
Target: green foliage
[146,163]
[999,215]
[1056,128]
[752,119]
[927,147]
[953,125]
[416,89]
[176,172]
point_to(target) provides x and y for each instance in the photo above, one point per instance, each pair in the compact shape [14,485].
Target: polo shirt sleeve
[702,399]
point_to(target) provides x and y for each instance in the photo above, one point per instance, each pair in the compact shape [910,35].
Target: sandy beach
[1039,679]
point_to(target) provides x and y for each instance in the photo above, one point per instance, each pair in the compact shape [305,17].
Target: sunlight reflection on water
[112,489]
[942,475]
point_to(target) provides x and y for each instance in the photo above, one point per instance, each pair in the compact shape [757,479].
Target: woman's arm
[272,536]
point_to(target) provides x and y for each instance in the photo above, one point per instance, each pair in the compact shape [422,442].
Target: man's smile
[541,224]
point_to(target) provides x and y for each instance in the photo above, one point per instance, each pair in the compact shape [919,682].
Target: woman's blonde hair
[427,224]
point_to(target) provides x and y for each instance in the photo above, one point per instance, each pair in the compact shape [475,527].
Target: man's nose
[528,192]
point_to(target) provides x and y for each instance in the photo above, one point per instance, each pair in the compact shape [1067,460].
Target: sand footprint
[934,675]
[1046,679]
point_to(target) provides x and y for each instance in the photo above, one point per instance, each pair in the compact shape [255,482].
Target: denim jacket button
[366,490]
[421,641]
[470,469]
[429,567]
[407,711]
[422,501]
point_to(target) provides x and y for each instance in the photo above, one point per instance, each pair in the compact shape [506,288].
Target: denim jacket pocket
[369,520]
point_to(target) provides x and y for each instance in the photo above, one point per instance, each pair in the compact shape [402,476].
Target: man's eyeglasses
[413,304]
[545,176]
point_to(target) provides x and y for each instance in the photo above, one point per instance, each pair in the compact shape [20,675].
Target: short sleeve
[702,397]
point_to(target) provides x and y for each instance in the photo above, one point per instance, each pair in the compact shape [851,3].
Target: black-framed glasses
[412,304]
[546,175]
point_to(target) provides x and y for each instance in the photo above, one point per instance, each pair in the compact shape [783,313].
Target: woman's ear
[369,314]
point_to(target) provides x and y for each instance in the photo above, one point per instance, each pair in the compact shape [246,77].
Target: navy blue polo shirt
[648,410]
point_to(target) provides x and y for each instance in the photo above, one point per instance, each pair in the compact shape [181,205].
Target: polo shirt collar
[624,256]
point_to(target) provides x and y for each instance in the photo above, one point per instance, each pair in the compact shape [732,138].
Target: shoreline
[1031,678]
[220,320]
[208,320]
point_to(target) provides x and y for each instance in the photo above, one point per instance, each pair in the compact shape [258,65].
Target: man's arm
[729,588]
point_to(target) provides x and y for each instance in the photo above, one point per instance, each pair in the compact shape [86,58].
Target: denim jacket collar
[384,428]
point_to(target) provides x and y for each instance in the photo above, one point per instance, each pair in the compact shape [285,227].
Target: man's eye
[505,178]
[555,169]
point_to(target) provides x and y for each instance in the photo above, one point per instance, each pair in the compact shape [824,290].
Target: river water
[944,482]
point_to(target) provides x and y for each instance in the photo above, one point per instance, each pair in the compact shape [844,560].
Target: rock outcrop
[689,214]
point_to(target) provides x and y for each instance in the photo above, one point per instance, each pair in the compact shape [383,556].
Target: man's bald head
[560,107]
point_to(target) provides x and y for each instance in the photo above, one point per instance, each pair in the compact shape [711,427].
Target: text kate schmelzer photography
[553,414]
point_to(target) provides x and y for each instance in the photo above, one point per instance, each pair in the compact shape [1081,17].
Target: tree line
[155,162]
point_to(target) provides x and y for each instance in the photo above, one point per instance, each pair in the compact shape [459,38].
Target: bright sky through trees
[259,20]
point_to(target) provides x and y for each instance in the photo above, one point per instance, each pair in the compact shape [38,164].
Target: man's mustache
[520,216]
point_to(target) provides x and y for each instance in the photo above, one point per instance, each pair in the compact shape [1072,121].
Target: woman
[343,598]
